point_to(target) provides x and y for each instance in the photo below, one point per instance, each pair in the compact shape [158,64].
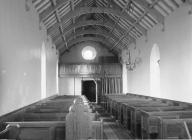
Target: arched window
[43,71]
[155,71]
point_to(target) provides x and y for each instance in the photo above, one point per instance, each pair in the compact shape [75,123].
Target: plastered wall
[75,55]
[21,39]
[70,85]
[175,45]
[51,69]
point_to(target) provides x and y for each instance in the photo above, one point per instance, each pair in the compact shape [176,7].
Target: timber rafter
[88,10]
[103,33]
[136,23]
[108,23]
[54,2]
[124,20]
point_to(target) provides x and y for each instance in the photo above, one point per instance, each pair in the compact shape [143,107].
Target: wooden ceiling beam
[54,2]
[51,9]
[137,22]
[91,22]
[152,11]
[100,32]
[111,3]
[86,10]
[72,9]
[91,31]
[107,23]
[58,4]
[59,20]
[167,5]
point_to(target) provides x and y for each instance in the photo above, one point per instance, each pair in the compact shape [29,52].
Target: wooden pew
[12,115]
[114,105]
[118,105]
[128,108]
[111,99]
[48,130]
[51,107]
[80,123]
[164,111]
[132,116]
[151,122]
[51,130]
[39,119]
[127,112]
[51,110]
[46,110]
[176,129]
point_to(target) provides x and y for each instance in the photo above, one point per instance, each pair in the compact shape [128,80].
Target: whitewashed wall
[21,40]
[175,45]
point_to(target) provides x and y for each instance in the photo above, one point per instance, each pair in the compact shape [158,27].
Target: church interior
[95,69]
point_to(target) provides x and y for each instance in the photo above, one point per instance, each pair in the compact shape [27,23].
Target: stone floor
[112,130]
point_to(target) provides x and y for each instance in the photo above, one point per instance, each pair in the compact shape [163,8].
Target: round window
[89,53]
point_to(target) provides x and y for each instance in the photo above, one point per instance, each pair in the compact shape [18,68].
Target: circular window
[89,53]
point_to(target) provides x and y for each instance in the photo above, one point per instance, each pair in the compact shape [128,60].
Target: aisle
[112,130]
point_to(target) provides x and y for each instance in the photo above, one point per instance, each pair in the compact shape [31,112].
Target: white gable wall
[175,45]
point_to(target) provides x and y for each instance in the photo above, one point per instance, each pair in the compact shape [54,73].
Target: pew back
[177,129]
[143,115]
[80,123]
[39,130]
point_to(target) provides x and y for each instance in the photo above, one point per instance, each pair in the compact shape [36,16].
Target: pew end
[177,128]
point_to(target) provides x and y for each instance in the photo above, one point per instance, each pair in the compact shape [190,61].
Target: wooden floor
[112,130]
